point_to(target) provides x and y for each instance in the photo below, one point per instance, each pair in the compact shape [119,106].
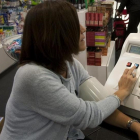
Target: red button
[129,64]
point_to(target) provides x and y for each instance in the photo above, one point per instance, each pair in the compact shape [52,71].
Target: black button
[136,65]
[129,64]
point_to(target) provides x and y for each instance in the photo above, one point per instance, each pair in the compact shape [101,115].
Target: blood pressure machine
[92,90]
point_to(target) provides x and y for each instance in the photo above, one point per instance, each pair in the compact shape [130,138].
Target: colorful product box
[100,44]
[100,37]
[100,33]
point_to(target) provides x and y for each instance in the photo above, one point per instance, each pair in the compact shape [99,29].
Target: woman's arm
[120,120]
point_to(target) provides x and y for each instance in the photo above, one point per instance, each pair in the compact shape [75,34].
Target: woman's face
[82,44]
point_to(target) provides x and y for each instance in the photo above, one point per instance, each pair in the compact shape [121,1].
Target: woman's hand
[135,127]
[127,80]
[126,83]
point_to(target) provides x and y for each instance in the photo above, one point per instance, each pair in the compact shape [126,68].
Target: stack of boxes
[105,49]
[90,56]
[98,54]
[94,56]
[96,38]
[94,19]
[97,18]
[102,12]
[90,38]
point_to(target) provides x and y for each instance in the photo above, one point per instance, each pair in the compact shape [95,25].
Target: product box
[103,9]
[1,123]
[98,61]
[99,8]
[100,33]
[90,8]
[100,19]
[91,61]
[94,9]
[104,51]
[100,44]
[92,17]
[100,36]
[96,19]
[87,18]
[108,4]
[98,55]
[100,39]
[90,38]
[90,54]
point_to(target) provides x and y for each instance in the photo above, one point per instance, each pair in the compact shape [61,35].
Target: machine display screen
[134,49]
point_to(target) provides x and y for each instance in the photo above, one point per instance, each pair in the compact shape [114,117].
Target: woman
[43,104]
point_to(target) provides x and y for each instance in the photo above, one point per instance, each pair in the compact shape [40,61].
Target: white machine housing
[92,90]
[130,53]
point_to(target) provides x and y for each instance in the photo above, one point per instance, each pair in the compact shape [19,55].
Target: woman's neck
[64,74]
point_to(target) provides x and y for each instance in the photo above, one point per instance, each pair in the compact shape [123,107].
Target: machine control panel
[130,56]
[122,66]
[129,64]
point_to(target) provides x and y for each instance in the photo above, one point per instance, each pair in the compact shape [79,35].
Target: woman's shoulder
[76,63]
[34,71]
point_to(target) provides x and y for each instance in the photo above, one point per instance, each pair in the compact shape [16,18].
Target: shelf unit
[100,72]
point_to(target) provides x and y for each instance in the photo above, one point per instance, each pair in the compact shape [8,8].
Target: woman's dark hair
[51,35]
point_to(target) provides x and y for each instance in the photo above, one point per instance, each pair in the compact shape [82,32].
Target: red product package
[92,19]
[90,61]
[90,39]
[88,18]
[100,19]
[96,19]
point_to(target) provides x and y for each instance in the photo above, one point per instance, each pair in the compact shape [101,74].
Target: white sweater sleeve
[51,99]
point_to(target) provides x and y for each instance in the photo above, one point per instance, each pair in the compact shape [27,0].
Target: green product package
[86,3]
[91,2]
